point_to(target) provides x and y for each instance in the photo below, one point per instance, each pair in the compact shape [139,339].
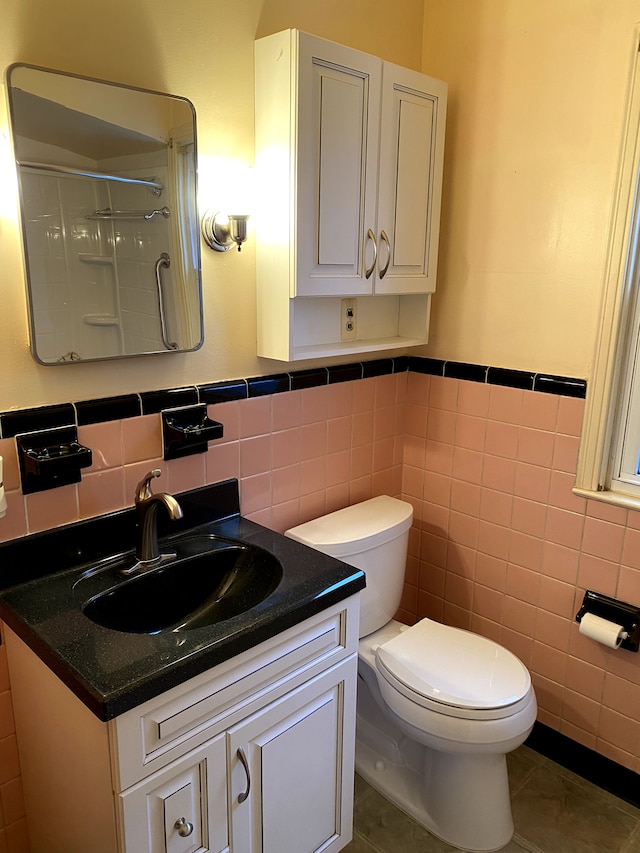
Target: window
[609,461]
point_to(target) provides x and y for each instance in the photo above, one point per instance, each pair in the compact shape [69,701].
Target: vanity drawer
[192,792]
[157,732]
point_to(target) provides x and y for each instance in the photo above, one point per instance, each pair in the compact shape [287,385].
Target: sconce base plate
[221,232]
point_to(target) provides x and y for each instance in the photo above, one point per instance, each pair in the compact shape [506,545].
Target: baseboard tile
[585,762]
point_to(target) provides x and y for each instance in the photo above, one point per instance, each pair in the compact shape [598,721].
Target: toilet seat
[489,681]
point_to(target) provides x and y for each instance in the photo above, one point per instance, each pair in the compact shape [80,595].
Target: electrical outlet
[348,320]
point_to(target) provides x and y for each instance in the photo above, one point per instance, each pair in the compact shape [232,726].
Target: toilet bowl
[438,707]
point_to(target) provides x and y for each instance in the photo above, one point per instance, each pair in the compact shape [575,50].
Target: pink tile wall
[501,546]
[297,455]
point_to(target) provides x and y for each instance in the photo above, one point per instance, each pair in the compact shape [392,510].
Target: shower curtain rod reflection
[155,186]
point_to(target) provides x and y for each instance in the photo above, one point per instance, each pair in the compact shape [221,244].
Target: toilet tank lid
[355,528]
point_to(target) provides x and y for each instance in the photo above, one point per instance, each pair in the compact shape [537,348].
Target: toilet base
[399,784]
[467,794]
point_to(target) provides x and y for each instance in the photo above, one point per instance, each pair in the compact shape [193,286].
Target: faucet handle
[143,489]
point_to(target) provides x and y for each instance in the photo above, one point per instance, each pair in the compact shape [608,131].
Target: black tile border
[345,373]
[379,367]
[590,765]
[511,378]
[223,392]
[309,378]
[108,409]
[105,409]
[563,386]
[261,386]
[170,398]
[35,420]
[400,365]
[470,372]
[560,385]
[431,366]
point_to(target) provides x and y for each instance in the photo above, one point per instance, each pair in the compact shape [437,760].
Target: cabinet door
[291,769]
[410,184]
[181,809]
[338,109]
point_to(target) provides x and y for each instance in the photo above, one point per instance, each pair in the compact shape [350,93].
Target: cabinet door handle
[243,760]
[371,236]
[383,236]
[183,826]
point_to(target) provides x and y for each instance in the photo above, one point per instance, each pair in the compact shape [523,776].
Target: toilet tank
[373,536]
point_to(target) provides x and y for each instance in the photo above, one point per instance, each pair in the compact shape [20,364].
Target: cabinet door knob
[371,236]
[183,826]
[243,760]
[384,236]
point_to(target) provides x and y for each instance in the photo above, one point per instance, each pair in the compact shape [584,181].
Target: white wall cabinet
[254,756]
[349,156]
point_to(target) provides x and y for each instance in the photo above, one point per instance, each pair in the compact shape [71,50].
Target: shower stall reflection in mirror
[95,288]
[108,185]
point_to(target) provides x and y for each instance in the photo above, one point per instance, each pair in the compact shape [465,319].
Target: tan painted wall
[202,52]
[537,99]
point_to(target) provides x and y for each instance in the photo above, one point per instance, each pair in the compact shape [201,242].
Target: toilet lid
[453,667]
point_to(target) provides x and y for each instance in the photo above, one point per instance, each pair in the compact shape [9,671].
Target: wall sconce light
[221,231]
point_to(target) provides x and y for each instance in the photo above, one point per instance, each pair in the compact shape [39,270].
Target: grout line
[625,807]
[367,843]
[633,841]
[526,845]
[527,778]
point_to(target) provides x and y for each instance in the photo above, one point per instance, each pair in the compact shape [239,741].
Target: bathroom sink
[210,580]
[176,621]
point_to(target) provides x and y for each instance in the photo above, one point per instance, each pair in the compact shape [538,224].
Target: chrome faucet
[148,551]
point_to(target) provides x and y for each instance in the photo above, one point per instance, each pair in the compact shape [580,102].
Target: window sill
[610,497]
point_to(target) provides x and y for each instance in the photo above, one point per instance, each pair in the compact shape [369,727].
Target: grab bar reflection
[163,262]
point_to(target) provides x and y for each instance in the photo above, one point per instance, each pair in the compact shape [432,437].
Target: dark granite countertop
[112,671]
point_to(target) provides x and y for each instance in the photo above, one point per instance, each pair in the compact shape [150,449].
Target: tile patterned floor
[554,811]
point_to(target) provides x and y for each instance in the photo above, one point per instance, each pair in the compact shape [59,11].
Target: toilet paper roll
[602,631]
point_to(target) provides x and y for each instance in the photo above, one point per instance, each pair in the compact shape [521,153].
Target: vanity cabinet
[253,756]
[289,756]
[180,809]
[349,157]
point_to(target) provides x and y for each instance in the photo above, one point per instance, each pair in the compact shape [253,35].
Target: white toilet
[438,707]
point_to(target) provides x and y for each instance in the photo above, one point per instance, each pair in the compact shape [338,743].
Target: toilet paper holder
[616,611]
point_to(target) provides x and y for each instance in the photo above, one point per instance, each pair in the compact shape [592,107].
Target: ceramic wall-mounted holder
[618,613]
[50,459]
[187,430]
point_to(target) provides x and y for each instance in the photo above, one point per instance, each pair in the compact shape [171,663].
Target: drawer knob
[183,826]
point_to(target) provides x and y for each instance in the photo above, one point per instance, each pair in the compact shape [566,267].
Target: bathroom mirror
[107,182]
